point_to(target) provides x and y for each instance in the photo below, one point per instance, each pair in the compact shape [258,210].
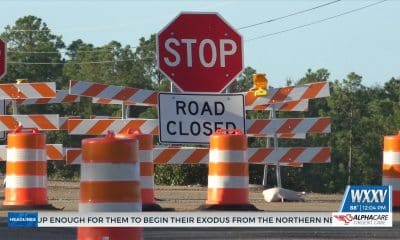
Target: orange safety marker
[110,182]
[146,168]
[26,170]
[228,172]
[391,166]
[290,93]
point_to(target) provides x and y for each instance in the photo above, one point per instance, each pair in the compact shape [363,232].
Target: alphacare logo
[346,218]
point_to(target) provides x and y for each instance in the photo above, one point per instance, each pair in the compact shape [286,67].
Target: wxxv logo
[367,199]
[368,195]
[365,206]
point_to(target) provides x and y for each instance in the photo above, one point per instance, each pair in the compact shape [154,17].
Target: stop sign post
[3,58]
[200,52]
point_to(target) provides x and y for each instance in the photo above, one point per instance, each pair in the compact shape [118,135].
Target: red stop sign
[200,52]
[3,56]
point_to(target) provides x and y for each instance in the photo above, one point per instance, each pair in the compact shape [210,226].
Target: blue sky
[366,42]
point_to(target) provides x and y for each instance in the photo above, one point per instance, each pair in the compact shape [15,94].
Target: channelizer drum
[26,171]
[228,172]
[391,167]
[110,182]
[146,168]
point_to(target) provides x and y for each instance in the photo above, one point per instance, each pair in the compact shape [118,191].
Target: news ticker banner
[194,219]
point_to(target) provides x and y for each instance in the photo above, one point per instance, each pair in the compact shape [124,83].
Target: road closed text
[192,118]
[193,108]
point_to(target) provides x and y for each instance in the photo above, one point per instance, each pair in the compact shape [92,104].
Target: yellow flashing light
[260,84]
[23,80]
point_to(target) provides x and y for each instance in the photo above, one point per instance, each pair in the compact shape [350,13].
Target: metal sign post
[278,167]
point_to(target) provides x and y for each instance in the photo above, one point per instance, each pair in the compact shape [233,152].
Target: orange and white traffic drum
[228,171]
[110,182]
[391,166]
[26,169]
[146,168]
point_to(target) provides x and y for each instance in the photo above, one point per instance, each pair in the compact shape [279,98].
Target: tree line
[360,115]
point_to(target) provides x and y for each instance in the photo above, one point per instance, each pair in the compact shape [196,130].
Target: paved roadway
[214,233]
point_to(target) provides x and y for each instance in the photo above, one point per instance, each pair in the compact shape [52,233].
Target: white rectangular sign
[192,118]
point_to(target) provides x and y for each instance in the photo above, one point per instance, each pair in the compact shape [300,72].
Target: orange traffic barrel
[146,168]
[228,172]
[391,166]
[110,182]
[26,170]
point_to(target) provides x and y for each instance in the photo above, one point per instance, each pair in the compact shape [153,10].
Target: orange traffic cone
[391,166]
[228,173]
[146,168]
[110,182]
[26,170]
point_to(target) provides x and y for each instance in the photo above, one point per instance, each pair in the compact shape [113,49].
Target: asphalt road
[215,233]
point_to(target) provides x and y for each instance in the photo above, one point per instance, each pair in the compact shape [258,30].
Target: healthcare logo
[346,218]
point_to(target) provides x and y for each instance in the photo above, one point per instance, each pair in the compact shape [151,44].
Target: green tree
[30,41]
[244,82]
[146,59]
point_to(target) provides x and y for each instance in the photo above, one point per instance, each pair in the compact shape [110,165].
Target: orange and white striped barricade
[73,156]
[125,94]
[290,106]
[228,172]
[110,182]
[148,97]
[285,156]
[53,152]
[259,127]
[102,126]
[118,102]
[283,127]
[26,170]
[391,166]
[289,156]
[286,94]
[146,168]
[62,96]
[63,121]
[41,122]
[28,90]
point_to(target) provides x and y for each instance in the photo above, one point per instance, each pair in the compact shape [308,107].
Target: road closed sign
[192,118]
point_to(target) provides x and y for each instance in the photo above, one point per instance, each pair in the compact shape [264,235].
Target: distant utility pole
[350,145]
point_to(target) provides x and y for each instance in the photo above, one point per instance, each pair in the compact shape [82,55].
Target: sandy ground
[65,194]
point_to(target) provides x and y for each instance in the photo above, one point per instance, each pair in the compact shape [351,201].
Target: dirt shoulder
[65,194]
